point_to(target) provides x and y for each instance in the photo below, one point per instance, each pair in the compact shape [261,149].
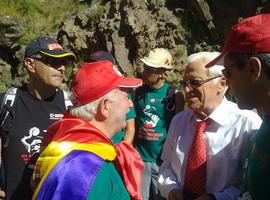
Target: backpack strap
[170,98]
[6,115]
[140,93]
[68,103]
[7,104]
[171,91]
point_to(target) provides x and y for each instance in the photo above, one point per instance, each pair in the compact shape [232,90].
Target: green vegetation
[40,17]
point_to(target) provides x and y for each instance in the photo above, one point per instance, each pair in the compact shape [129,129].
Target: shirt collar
[220,114]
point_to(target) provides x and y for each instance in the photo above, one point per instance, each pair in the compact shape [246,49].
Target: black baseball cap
[100,56]
[48,47]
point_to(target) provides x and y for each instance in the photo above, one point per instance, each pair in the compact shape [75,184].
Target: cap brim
[58,54]
[219,60]
[151,64]
[129,82]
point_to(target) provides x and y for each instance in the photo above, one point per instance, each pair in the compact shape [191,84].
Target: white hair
[215,70]
[88,111]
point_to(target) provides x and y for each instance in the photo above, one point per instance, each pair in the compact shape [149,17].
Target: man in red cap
[246,56]
[128,133]
[27,112]
[79,160]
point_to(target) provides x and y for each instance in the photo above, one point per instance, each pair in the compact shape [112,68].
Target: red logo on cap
[55,46]
[95,54]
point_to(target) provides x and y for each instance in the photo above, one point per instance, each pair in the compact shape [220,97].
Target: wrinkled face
[240,82]
[47,71]
[151,76]
[120,105]
[203,92]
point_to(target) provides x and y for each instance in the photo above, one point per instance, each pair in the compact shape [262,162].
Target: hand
[175,194]
[2,194]
[204,197]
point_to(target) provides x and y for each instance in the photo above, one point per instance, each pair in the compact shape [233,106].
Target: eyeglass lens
[226,72]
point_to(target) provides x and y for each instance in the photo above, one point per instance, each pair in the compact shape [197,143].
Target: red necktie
[195,176]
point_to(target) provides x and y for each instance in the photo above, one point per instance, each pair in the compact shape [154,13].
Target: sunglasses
[196,83]
[152,69]
[226,72]
[53,62]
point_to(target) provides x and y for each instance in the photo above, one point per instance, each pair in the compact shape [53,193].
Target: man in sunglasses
[36,105]
[203,154]
[246,56]
[155,107]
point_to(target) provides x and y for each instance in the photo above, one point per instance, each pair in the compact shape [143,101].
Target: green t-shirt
[118,137]
[257,164]
[108,185]
[152,122]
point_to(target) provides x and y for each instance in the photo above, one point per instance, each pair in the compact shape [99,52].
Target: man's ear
[29,63]
[254,68]
[104,107]
[223,84]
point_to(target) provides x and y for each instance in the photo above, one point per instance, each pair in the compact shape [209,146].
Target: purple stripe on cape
[72,177]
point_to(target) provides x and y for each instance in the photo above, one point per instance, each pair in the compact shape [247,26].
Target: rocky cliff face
[129,29]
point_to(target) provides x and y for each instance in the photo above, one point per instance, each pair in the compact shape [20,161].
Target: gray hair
[216,70]
[87,111]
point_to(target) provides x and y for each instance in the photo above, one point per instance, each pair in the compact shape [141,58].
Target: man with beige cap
[155,105]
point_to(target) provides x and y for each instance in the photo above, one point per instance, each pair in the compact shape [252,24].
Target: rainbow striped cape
[74,152]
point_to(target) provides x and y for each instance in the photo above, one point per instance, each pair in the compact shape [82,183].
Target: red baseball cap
[249,35]
[94,80]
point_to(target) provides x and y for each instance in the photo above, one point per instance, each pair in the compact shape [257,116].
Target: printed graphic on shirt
[56,116]
[154,100]
[148,111]
[147,131]
[33,139]
[31,142]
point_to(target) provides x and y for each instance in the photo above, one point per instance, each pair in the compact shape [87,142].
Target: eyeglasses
[196,83]
[55,63]
[226,72]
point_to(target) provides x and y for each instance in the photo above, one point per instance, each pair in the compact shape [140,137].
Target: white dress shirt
[227,137]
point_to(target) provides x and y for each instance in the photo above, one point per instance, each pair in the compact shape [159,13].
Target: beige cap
[158,58]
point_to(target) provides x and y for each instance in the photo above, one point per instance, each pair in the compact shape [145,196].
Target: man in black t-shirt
[37,105]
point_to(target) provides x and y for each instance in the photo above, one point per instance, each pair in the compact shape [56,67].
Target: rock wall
[129,29]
